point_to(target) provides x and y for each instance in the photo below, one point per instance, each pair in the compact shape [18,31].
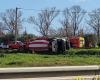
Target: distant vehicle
[16,45]
[4,46]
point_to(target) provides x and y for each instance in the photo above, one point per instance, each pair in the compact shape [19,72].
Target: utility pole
[75,24]
[16,29]
[98,32]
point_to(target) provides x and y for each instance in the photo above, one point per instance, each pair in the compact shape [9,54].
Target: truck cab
[58,45]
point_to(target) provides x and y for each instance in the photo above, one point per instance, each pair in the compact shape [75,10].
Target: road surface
[51,73]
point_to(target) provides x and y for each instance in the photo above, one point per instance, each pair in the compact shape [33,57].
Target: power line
[54,11]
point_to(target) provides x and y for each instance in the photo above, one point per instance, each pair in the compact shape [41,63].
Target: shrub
[83,52]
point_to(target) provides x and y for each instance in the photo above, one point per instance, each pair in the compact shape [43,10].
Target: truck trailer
[47,44]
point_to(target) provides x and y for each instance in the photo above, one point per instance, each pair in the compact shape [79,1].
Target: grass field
[31,60]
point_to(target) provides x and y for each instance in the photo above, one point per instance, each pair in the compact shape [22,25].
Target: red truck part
[77,42]
[38,45]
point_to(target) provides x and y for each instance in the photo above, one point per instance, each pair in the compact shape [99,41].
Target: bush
[83,52]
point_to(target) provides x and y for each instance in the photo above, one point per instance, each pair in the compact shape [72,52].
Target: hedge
[83,52]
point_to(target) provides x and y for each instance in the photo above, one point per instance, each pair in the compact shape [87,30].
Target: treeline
[72,22]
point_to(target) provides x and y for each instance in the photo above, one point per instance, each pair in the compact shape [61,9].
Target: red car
[16,45]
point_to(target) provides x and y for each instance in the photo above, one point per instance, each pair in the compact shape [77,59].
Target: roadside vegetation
[71,57]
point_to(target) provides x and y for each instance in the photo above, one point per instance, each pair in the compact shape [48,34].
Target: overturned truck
[47,44]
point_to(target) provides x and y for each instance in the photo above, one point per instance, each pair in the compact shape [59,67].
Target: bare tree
[76,17]
[94,22]
[9,19]
[72,18]
[61,32]
[66,21]
[81,32]
[44,20]
[52,32]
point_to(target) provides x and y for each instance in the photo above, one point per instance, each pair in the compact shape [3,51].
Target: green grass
[70,57]
[32,60]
